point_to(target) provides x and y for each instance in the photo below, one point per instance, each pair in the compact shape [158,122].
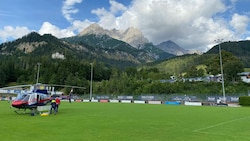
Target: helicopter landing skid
[20,110]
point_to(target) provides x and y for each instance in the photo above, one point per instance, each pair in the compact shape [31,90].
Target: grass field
[127,122]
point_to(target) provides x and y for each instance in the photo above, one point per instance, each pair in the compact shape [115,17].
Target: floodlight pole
[221,69]
[38,69]
[91,79]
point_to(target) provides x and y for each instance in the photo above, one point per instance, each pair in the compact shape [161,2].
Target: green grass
[127,122]
[247,69]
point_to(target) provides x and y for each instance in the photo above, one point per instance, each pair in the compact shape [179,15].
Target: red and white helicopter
[37,95]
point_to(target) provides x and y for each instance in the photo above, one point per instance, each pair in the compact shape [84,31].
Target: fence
[165,97]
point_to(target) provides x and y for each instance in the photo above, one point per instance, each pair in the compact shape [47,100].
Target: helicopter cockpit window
[26,98]
[42,97]
[20,96]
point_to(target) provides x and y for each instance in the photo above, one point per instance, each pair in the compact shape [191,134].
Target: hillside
[177,65]
[182,64]
[34,45]
[118,51]
[241,49]
[101,48]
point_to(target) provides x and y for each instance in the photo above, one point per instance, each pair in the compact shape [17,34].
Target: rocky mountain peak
[171,47]
[131,35]
[93,29]
[134,37]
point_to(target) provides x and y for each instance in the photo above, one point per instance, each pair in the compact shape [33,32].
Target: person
[53,106]
[57,103]
[69,97]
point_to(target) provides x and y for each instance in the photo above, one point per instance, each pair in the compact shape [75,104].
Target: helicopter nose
[17,103]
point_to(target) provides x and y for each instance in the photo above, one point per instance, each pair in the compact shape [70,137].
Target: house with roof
[245,76]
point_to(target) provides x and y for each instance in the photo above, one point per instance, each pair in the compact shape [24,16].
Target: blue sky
[193,24]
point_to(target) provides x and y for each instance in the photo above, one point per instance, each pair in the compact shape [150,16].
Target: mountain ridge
[135,38]
[101,48]
[131,35]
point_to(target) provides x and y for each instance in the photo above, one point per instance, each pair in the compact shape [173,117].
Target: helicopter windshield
[24,97]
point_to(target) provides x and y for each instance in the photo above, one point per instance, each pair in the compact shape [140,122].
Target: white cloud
[193,24]
[79,26]
[190,23]
[68,9]
[10,32]
[48,28]
[116,7]
[109,19]
[240,23]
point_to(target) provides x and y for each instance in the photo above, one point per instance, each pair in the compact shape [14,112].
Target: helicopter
[37,95]
[31,100]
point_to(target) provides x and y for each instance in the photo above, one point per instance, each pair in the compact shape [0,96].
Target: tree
[231,66]
[2,78]
[231,69]
[194,72]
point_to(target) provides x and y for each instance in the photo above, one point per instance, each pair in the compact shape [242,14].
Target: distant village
[245,77]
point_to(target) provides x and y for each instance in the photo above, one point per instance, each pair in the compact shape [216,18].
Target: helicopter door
[32,99]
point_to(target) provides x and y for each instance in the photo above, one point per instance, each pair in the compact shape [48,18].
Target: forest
[144,79]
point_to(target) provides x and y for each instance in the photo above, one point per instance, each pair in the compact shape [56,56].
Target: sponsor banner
[78,100]
[154,102]
[94,100]
[114,101]
[233,99]
[64,100]
[85,100]
[172,103]
[147,97]
[139,101]
[193,103]
[208,103]
[211,98]
[124,97]
[104,100]
[219,98]
[233,105]
[125,101]
[184,98]
[17,91]
[3,91]
[102,97]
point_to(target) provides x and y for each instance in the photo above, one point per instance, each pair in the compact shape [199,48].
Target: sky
[192,24]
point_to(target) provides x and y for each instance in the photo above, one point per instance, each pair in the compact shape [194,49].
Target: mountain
[34,44]
[132,36]
[101,48]
[171,47]
[135,38]
[108,47]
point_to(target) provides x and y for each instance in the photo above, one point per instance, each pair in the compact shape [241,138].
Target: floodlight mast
[38,69]
[219,41]
[91,79]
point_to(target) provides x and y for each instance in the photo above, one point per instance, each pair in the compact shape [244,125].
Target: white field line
[201,130]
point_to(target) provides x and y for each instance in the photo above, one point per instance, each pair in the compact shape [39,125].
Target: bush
[244,100]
